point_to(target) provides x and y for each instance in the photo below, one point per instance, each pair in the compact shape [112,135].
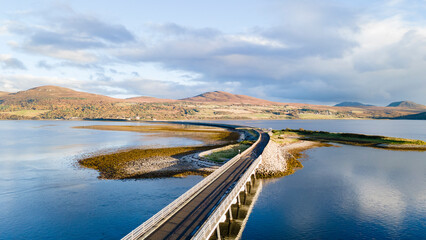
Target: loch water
[343,192]
[45,195]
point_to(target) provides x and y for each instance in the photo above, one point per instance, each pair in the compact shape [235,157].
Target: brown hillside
[407,104]
[148,100]
[55,94]
[3,93]
[228,98]
[51,102]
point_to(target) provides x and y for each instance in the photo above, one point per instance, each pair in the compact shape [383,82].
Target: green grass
[349,138]
[227,154]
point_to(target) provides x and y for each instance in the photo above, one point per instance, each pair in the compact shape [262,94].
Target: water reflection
[347,192]
[392,128]
[43,195]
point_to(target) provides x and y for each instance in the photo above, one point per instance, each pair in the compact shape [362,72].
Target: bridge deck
[185,223]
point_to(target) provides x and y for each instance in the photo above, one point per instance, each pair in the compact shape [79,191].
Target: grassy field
[351,138]
[229,153]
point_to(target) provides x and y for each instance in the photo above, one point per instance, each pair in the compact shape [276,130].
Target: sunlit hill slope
[53,102]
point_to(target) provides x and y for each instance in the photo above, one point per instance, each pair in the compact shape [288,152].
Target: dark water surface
[342,192]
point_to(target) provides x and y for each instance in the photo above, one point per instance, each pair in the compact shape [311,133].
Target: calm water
[346,192]
[393,128]
[43,195]
[343,192]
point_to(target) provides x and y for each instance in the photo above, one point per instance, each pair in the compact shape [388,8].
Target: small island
[350,138]
[218,145]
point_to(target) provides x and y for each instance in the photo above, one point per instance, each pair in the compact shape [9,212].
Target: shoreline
[280,157]
[137,163]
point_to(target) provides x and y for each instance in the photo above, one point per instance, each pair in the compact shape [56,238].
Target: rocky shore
[153,167]
[279,156]
[281,159]
[278,160]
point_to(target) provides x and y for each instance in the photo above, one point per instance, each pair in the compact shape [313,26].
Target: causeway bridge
[197,213]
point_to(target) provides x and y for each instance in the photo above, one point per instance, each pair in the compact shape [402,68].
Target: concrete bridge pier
[232,227]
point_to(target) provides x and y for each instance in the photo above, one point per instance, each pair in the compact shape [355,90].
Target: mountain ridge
[406,104]
[53,102]
[145,99]
[225,97]
[50,92]
[352,104]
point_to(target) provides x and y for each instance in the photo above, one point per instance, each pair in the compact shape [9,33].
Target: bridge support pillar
[230,214]
[218,237]
[230,221]
[238,200]
[238,205]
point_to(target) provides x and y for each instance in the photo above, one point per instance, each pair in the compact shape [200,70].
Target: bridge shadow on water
[233,226]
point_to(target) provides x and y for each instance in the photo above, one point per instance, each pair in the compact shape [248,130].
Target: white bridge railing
[177,204]
[214,219]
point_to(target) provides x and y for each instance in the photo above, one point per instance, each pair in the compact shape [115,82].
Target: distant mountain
[52,102]
[228,98]
[148,100]
[352,104]
[418,116]
[406,104]
[54,95]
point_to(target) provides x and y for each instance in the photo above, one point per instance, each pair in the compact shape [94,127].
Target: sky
[320,52]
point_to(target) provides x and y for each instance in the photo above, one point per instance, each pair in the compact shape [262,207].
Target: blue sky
[292,51]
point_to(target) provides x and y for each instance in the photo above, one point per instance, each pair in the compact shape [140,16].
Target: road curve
[185,223]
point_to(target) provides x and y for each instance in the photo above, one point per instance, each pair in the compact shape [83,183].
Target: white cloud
[316,51]
[77,56]
[14,83]
[9,62]
[377,200]
[257,40]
